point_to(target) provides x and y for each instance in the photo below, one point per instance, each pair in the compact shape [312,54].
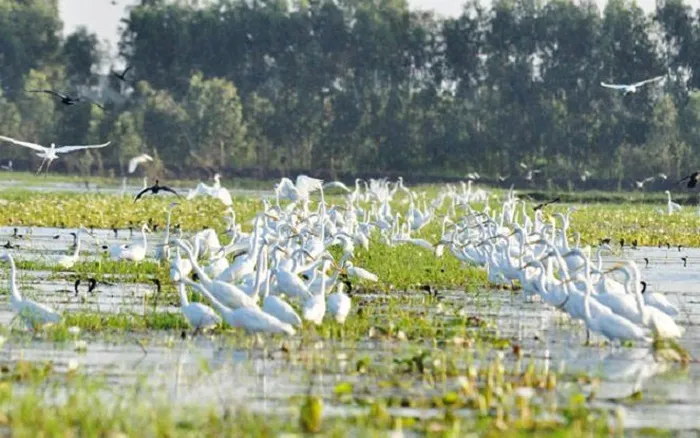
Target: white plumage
[134,162]
[631,88]
[51,153]
[198,315]
[34,314]
[338,305]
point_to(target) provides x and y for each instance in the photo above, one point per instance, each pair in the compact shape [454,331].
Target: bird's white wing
[647,81]
[134,162]
[36,147]
[307,184]
[614,86]
[64,149]
[335,185]
[285,187]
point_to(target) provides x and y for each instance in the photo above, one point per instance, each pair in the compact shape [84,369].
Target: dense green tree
[215,123]
[81,55]
[365,86]
[29,39]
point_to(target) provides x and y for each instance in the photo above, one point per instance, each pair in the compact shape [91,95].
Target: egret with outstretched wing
[134,162]
[632,88]
[51,153]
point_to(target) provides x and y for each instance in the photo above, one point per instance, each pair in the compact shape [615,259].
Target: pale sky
[101,17]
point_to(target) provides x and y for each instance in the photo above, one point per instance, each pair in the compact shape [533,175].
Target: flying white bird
[134,162]
[51,153]
[633,87]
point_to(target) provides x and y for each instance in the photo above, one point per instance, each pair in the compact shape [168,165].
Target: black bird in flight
[544,204]
[155,188]
[122,76]
[693,179]
[65,99]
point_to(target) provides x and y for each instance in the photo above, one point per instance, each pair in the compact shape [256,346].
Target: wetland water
[263,375]
[133,186]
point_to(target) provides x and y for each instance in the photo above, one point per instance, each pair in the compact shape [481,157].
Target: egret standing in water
[199,316]
[34,314]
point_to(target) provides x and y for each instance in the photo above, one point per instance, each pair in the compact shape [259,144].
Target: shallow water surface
[263,376]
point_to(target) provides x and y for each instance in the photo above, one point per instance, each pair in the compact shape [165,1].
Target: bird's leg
[47,167]
[41,167]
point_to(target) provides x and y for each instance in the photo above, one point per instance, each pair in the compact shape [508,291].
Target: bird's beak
[615,267]
[279,248]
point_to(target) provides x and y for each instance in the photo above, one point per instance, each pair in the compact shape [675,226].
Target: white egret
[338,305]
[361,273]
[251,319]
[335,185]
[179,265]
[658,300]
[274,305]
[631,88]
[163,250]
[50,153]
[671,207]
[304,186]
[199,316]
[226,293]
[135,251]
[134,162]
[609,324]
[315,307]
[68,261]
[34,314]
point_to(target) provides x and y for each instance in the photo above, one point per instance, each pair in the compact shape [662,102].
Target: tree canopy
[364,86]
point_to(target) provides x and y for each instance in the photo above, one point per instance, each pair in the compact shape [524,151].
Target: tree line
[358,86]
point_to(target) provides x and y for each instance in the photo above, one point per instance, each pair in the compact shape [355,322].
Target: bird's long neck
[183,295]
[266,289]
[166,236]
[324,267]
[599,261]
[587,301]
[13,281]
[216,303]
[323,217]
[260,271]
[633,283]
[203,277]
[143,236]
[77,247]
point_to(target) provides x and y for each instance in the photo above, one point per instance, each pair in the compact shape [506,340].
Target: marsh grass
[36,400]
[400,348]
[636,222]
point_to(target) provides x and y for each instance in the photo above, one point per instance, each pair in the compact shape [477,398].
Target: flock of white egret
[281,273]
